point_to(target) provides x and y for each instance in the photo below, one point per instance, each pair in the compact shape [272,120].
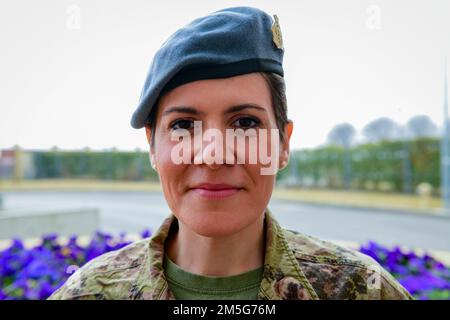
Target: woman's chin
[215,223]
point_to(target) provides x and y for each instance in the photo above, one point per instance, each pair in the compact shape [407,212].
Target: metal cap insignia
[276,33]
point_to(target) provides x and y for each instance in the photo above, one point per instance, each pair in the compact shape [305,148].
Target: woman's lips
[215,191]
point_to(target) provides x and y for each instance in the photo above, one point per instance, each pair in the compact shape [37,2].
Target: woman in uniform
[223,73]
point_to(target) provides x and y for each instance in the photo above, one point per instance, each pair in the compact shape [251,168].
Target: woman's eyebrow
[233,109]
[243,106]
[182,109]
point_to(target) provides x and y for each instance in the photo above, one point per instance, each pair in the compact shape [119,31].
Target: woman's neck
[222,256]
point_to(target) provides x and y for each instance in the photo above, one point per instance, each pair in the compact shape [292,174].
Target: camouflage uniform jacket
[296,266]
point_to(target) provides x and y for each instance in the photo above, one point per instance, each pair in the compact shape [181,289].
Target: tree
[421,126]
[342,135]
[381,129]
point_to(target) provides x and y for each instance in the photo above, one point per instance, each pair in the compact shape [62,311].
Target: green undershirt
[190,286]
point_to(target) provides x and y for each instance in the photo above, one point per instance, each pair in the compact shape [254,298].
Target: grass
[362,199]
[77,185]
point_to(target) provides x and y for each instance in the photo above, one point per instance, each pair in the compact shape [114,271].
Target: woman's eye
[246,123]
[182,124]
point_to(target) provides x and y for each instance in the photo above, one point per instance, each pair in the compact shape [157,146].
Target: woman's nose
[214,150]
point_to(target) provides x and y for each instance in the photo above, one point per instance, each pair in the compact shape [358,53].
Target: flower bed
[422,275]
[34,273]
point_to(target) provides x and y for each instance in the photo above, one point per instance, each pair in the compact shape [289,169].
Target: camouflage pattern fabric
[296,266]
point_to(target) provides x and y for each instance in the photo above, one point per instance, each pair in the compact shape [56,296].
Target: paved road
[135,211]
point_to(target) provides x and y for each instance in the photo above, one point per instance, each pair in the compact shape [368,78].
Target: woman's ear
[284,150]
[153,161]
[148,133]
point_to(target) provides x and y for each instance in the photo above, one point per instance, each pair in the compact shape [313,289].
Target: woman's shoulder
[109,276]
[337,272]
[307,247]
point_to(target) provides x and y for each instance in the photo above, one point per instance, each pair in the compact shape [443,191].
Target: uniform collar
[282,275]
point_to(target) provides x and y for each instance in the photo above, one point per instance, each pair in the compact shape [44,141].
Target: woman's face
[216,199]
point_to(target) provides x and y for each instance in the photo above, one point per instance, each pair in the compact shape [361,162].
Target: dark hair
[277,89]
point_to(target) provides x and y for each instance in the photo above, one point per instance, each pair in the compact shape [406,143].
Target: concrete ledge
[83,221]
[82,241]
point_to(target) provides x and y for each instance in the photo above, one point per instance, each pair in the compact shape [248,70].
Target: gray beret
[223,44]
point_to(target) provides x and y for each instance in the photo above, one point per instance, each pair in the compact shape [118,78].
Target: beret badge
[276,33]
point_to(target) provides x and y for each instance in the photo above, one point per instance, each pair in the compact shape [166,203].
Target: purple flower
[45,290]
[34,273]
[146,234]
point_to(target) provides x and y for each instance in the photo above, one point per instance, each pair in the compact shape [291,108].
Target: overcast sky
[73,83]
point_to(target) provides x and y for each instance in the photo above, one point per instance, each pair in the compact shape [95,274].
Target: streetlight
[445,150]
